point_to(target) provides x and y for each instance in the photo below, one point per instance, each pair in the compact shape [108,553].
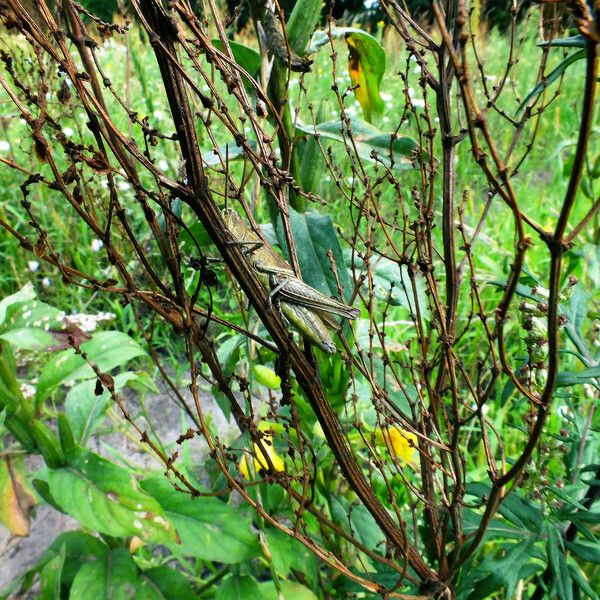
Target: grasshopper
[309,311]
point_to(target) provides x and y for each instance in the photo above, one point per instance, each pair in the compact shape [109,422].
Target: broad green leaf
[363,525]
[280,547]
[552,77]
[86,410]
[195,234]
[393,284]
[314,237]
[290,590]
[366,65]
[51,577]
[28,339]
[105,497]
[171,584]
[209,528]
[371,144]
[80,548]
[311,164]
[107,350]
[225,154]
[25,294]
[246,57]
[239,587]
[301,24]
[112,577]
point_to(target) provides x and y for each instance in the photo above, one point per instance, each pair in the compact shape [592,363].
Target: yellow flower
[399,442]
[260,461]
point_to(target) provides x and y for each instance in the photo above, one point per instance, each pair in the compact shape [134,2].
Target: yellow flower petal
[399,442]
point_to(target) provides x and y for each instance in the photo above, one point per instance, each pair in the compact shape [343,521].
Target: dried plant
[429,382]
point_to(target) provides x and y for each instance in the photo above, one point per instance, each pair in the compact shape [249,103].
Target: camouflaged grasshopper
[309,311]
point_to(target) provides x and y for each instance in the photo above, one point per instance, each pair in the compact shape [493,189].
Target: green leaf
[195,234]
[552,77]
[80,548]
[86,411]
[236,587]
[567,378]
[51,577]
[503,570]
[111,577]
[311,164]
[25,294]
[585,551]
[246,57]
[362,524]
[226,153]
[581,581]
[575,41]
[107,350]
[558,565]
[290,590]
[366,65]
[209,528]
[280,547]
[314,236]
[171,584]
[301,24]
[105,497]
[371,144]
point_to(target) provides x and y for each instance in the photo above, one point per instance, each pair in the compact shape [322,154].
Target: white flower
[46,282]
[159,114]
[68,131]
[163,165]
[417,70]
[96,245]
[386,119]
[4,145]
[90,322]
[418,102]
[386,97]
[33,265]
[27,390]
[123,186]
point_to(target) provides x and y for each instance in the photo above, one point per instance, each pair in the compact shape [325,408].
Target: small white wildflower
[389,104]
[485,409]
[163,165]
[159,115]
[27,390]
[386,97]
[417,70]
[68,131]
[89,323]
[33,265]
[123,186]
[4,145]
[46,282]
[351,111]
[418,102]
[96,245]
[386,119]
